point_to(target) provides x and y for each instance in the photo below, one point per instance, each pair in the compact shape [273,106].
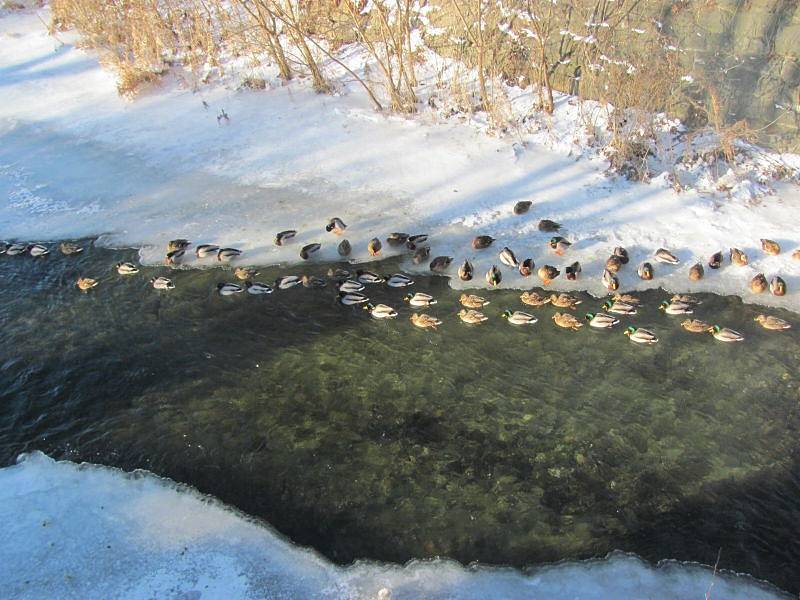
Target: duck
[228,289]
[179,244]
[344,248]
[685,299]
[567,321]
[559,245]
[86,283]
[421,254]
[440,263]
[494,276]
[309,282]
[622,254]
[521,207]
[228,254]
[369,277]
[465,271]
[601,320]
[244,273]
[126,268]
[349,286]
[398,280]
[37,250]
[534,299]
[336,225]
[419,299]
[507,257]
[472,317]
[380,311]
[564,301]
[424,321]
[627,298]
[284,236]
[481,242]
[548,225]
[613,264]
[676,308]
[175,257]
[665,256]
[309,249]
[526,267]
[517,317]
[162,283]
[374,247]
[3,247]
[69,248]
[695,325]
[287,281]
[641,335]
[777,286]
[796,254]
[610,281]
[645,271]
[472,301]
[758,284]
[724,334]
[547,273]
[206,250]
[338,273]
[352,298]
[715,262]
[396,239]
[738,257]
[696,272]
[16,249]
[572,271]
[773,323]
[414,241]
[619,307]
[770,247]
[257,289]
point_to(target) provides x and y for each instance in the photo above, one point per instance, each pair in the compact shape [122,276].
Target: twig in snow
[714,574]
[222,115]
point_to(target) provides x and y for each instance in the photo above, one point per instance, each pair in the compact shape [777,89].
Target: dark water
[375,439]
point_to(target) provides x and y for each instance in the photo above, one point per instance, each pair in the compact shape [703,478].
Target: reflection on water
[375,439]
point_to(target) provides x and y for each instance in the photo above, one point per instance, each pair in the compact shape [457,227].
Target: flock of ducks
[350,287]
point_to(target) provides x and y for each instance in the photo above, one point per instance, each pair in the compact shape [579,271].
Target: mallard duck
[472,317]
[349,286]
[534,299]
[257,289]
[547,273]
[472,301]
[206,250]
[398,280]
[421,254]
[16,249]
[696,272]
[69,248]
[601,320]
[559,245]
[344,248]
[352,298]
[179,244]
[770,322]
[287,281]
[567,321]
[610,281]
[526,267]
[738,257]
[175,257]
[284,236]
[622,254]
[640,335]
[518,317]
[162,283]
[676,308]
[695,325]
[465,271]
[507,257]
[723,334]
[338,273]
[613,264]
[572,271]
[770,247]
[424,321]
[645,271]
[374,247]
[777,286]
[627,298]
[228,254]
[380,311]
[481,242]
[665,256]
[419,299]
[414,241]
[548,225]
[336,225]
[564,301]
[715,262]
[3,247]
[126,268]
[244,273]
[440,263]
[36,250]
[521,207]
[369,277]
[86,283]
[685,299]
[309,249]
[796,254]
[228,289]
[310,282]
[397,239]
[758,284]
[619,307]
[494,276]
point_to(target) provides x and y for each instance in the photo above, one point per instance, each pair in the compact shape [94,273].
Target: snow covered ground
[85,531]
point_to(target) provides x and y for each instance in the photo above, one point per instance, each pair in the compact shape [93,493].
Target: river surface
[506,445]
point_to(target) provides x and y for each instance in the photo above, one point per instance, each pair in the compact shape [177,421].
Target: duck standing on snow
[723,334]
[336,225]
[665,256]
[507,257]
[228,254]
[696,272]
[69,248]
[419,299]
[601,320]
[126,268]
[758,284]
[572,271]
[472,317]
[396,239]
[715,262]
[773,323]
[518,317]
[777,286]
[284,236]
[645,271]
[640,335]
[613,264]
[526,267]
[374,247]
[344,248]
[206,250]
[309,249]
[465,271]
[494,276]
[567,321]
[421,254]
[547,273]
[380,311]
[175,257]
[472,301]
[610,281]
[424,321]
[440,264]
[559,245]
[738,257]
[695,326]
[796,254]
[622,254]
[415,240]
[179,244]
[481,242]
[770,247]
[549,226]
[521,207]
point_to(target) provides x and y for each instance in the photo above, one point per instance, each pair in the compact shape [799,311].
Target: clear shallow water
[370,439]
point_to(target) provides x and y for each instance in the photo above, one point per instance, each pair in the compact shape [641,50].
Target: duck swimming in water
[773,323]
[37,250]
[640,335]
[676,308]
[695,325]
[352,298]
[244,273]
[424,321]
[162,283]
[601,320]
[398,280]
[257,289]
[380,311]
[619,307]
[564,301]
[534,299]
[126,268]
[419,299]
[567,321]
[723,334]
[472,301]
[369,277]
[518,317]
[472,317]
[228,289]
[69,248]
[86,283]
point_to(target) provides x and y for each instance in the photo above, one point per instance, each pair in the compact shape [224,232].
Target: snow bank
[76,160]
[86,531]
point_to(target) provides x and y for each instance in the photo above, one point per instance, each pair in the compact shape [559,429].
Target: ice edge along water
[88,531]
